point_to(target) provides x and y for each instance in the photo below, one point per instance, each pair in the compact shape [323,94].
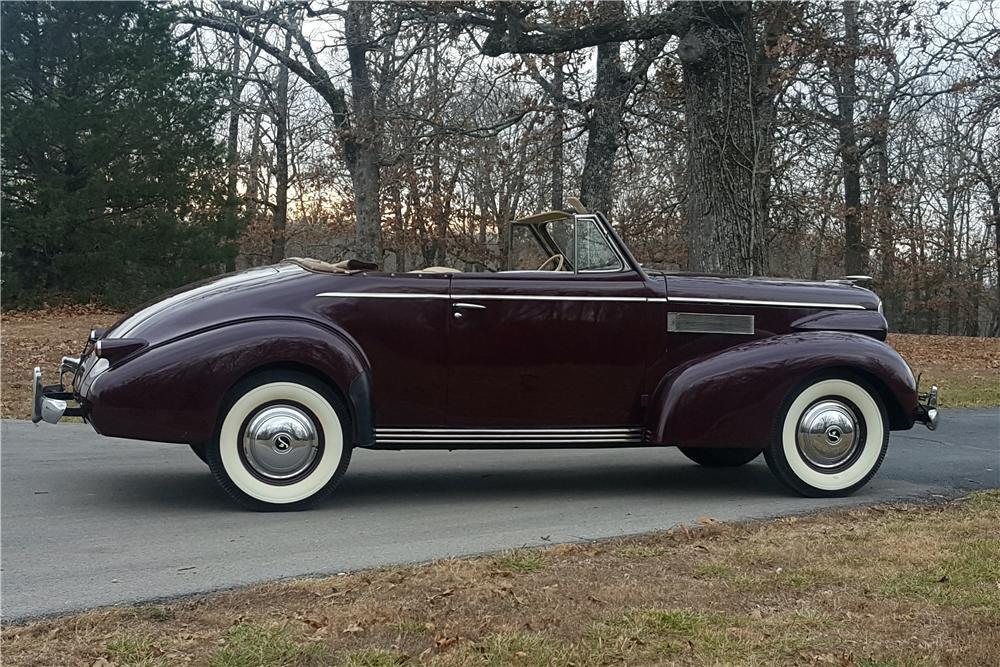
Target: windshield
[573,244]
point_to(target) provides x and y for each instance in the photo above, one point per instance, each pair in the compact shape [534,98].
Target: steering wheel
[560,263]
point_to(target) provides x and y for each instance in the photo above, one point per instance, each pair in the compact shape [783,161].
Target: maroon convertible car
[273,375]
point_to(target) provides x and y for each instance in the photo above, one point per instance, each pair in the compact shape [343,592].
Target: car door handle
[470,306]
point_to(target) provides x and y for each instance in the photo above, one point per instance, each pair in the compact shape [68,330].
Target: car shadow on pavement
[369,489]
[577,482]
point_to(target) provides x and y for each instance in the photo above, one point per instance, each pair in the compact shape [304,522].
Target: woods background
[148,145]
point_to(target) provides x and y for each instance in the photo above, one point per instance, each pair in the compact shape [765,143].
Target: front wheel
[282,443]
[830,439]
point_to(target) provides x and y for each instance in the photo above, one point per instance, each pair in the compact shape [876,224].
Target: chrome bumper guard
[48,402]
[927,412]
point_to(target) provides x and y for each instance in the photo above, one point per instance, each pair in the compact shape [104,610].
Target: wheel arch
[898,419]
[175,391]
[356,396]
[731,398]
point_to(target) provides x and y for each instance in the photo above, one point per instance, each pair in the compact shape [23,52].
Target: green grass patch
[984,500]
[134,650]
[530,649]
[969,578]
[250,645]
[761,581]
[373,657]
[652,635]
[965,389]
[713,571]
[410,627]
[520,560]
[639,551]
[647,634]
[909,661]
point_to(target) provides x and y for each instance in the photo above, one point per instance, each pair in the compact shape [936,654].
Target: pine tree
[113,180]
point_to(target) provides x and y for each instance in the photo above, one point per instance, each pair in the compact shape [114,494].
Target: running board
[499,438]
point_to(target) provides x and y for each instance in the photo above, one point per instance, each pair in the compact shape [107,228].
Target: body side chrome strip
[754,302]
[540,297]
[528,431]
[526,441]
[507,436]
[482,297]
[573,297]
[385,295]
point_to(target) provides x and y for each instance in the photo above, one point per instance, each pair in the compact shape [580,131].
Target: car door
[549,350]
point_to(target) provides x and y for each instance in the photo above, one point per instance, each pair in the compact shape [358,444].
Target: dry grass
[967,369]
[41,338]
[887,585]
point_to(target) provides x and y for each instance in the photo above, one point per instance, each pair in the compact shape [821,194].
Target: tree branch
[508,32]
[319,81]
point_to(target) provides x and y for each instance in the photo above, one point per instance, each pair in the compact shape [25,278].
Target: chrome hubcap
[280,442]
[827,434]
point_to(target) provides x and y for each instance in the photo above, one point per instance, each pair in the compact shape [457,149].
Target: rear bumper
[49,402]
[927,412]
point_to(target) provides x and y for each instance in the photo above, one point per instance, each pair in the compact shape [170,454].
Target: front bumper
[49,402]
[927,412]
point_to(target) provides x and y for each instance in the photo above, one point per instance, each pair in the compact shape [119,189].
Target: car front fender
[173,392]
[732,398]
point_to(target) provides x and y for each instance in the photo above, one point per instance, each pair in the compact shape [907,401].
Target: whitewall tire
[830,438]
[283,441]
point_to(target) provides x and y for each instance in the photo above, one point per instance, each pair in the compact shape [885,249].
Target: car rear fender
[732,398]
[174,391]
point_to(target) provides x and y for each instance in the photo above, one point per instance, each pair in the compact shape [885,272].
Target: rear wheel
[725,457]
[831,437]
[282,443]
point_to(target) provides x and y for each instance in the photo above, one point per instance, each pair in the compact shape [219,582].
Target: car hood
[770,291]
[254,292]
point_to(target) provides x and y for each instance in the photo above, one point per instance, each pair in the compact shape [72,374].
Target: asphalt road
[89,521]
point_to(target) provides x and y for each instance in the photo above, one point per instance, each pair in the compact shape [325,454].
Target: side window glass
[594,251]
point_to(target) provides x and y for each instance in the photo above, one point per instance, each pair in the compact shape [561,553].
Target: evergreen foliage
[112,175]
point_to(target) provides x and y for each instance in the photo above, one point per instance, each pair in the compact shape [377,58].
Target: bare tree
[279,219]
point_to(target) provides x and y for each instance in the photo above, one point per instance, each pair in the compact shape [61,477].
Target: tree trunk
[883,221]
[361,144]
[993,193]
[253,166]
[995,208]
[556,137]
[767,89]
[725,217]
[855,253]
[439,220]
[603,130]
[232,146]
[400,226]
[279,221]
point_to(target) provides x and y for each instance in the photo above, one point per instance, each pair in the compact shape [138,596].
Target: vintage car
[273,375]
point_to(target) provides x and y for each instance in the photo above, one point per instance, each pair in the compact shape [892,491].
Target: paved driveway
[89,521]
